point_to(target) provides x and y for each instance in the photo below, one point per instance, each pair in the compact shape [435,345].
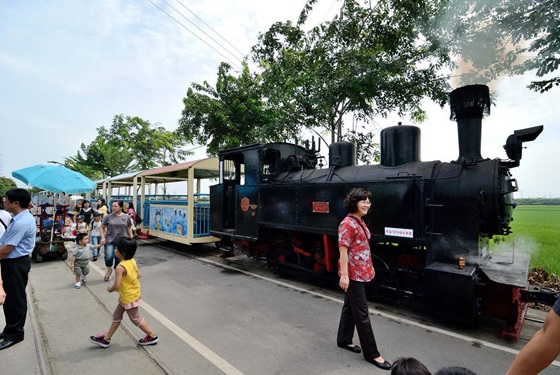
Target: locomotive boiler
[430,221]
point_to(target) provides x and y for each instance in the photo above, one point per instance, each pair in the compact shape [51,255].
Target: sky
[68,67]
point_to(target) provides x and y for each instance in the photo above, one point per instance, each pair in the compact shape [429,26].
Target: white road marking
[227,368]
[377,312]
[204,351]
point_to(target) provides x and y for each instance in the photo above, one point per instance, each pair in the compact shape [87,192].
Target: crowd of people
[93,230]
[113,231]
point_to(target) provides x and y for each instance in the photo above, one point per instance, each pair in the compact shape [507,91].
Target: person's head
[353,199]
[70,215]
[17,200]
[2,203]
[80,218]
[127,247]
[409,366]
[96,216]
[454,370]
[117,207]
[82,239]
[101,202]
[85,204]
[130,205]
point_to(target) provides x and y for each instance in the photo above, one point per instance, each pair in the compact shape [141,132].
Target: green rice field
[536,232]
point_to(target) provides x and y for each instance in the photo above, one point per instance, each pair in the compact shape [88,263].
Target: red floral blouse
[354,234]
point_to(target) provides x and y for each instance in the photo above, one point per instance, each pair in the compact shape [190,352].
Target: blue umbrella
[55,178]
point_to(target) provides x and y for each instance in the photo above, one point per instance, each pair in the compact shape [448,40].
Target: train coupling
[537,294]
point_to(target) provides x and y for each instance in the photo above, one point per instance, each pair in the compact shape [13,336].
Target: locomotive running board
[507,268]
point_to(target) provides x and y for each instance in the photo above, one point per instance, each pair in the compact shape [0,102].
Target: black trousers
[15,273]
[355,314]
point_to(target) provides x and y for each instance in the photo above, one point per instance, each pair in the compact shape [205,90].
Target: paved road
[237,319]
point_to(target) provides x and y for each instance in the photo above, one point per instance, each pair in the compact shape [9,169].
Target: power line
[186,28]
[204,32]
[201,20]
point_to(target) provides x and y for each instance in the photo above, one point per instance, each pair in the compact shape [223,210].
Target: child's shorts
[81,267]
[133,313]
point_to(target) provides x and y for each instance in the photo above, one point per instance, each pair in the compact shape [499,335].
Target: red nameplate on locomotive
[321,207]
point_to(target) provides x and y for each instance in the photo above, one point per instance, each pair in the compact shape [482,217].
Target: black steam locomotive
[431,222]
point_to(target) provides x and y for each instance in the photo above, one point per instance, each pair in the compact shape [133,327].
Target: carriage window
[228,172]
[270,162]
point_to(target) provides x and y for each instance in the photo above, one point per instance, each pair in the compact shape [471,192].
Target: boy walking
[80,258]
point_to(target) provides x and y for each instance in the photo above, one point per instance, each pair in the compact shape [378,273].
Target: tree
[502,37]
[367,61]
[234,113]
[130,144]
[89,161]
[6,184]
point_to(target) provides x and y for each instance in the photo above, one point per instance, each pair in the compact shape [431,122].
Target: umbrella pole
[54,216]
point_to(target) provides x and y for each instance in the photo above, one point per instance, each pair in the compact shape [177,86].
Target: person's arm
[344,280]
[2,292]
[129,229]
[541,350]
[102,233]
[73,261]
[5,250]
[119,272]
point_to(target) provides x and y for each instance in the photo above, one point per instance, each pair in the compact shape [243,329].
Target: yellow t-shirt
[103,211]
[129,290]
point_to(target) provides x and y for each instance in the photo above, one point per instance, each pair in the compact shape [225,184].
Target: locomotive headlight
[461,263]
[514,143]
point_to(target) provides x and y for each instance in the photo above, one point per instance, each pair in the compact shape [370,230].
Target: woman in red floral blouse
[355,270]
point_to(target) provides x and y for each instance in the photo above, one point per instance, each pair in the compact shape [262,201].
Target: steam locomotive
[430,221]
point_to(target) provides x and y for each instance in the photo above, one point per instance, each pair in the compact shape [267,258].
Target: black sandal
[352,348]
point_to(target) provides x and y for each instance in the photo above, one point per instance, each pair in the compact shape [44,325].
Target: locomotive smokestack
[469,104]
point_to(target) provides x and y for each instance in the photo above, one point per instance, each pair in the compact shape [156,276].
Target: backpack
[138,219]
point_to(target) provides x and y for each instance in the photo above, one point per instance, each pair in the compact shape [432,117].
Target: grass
[536,232]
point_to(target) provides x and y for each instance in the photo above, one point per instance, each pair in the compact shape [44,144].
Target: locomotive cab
[234,200]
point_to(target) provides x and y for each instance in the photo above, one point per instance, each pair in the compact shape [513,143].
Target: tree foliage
[130,144]
[538,201]
[367,61]
[232,114]
[6,184]
[495,37]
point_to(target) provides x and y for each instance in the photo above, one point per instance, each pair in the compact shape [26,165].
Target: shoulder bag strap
[361,225]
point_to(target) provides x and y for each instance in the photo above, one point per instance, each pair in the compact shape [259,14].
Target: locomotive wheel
[64,255]
[281,254]
[285,254]
[279,269]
